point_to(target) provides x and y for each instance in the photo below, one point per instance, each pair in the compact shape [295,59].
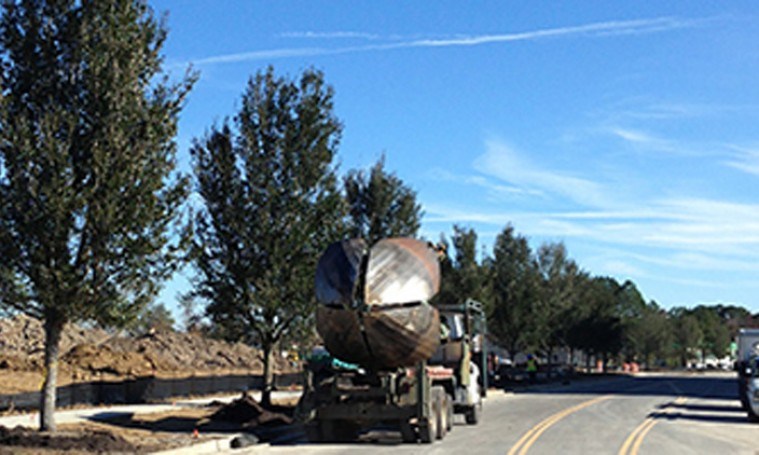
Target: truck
[747,364]
[394,360]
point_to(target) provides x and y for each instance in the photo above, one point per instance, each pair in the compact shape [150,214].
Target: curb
[213,446]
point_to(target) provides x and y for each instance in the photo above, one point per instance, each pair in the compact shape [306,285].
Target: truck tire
[752,417]
[472,414]
[448,412]
[429,428]
[442,411]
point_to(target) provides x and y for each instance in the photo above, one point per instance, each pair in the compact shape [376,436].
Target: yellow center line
[633,442]
[529,438]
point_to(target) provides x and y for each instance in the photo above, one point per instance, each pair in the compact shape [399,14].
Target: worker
[532,368]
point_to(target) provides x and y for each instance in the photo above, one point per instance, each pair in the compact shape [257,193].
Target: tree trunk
[53,330]
[268,375]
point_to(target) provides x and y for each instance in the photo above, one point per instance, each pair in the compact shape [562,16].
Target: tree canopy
[271,205]
[88,191]
[380,205]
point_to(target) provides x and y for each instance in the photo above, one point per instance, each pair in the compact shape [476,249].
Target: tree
[559,294]
[154,317]
[649,334]
[380,205]
[686,334]
[271,206]
[462,276]
[515,293]
[598,330]
[88,192]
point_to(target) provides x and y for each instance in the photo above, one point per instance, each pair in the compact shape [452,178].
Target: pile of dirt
[22,340]
[247,412]
[94,354]
[86,441]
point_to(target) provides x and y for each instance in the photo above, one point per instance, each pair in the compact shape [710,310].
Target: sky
[626,130]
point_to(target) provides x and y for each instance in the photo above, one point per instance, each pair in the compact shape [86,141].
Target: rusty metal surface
[401,270]
[388,323]
[393,337]
[338,271]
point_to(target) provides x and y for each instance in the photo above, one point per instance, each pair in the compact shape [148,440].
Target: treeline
[543,301]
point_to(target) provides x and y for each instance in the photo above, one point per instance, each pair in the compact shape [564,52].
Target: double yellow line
[529,438]
[633,442]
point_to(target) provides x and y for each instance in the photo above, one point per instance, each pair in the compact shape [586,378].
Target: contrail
[610,28]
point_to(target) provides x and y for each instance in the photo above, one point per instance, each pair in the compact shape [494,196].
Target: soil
[249,413]
[146,433]
[21,439]
[89,354]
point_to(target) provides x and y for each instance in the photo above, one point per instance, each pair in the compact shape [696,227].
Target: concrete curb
[219,445]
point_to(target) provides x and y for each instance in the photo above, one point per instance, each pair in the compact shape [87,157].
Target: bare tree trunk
[268,374]
[53,330]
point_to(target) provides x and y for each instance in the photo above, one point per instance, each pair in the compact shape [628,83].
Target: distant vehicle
[747,365]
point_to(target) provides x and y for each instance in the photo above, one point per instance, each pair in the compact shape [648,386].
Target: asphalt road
[646,414]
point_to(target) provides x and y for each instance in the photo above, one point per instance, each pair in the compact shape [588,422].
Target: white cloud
[598,29]
[331,35]
[504,163]
[745,159]
[494,189]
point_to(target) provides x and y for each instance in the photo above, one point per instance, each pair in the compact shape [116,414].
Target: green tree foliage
[380,205]
[463,276]
[153,318]
[514,319]
[648,335]
[687,335]
[271,206]
[560,277]
[599,331]
[88,191]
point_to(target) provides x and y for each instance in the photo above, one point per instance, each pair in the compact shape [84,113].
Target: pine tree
[88,191]
[271,206]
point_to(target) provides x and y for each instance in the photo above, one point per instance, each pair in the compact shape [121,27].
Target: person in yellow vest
[532,368]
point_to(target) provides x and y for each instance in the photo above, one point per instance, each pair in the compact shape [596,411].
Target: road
[646,414]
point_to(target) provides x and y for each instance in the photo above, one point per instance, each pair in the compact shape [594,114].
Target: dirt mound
[87,441]
[174,351]
[249,413]
[95,354]
[24,337]
[102,359]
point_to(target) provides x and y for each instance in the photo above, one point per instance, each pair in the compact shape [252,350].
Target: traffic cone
[195,433]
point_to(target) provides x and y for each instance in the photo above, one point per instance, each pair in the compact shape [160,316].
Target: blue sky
[626,130]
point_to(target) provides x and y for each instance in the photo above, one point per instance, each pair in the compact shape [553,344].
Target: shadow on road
[709,408]
[702,387]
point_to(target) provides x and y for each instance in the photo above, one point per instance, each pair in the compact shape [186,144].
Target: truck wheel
[429,428]
[449,411]
[442,413]
[473,414]
[752,417]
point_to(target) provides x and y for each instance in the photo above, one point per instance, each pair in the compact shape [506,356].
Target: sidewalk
[107,412]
